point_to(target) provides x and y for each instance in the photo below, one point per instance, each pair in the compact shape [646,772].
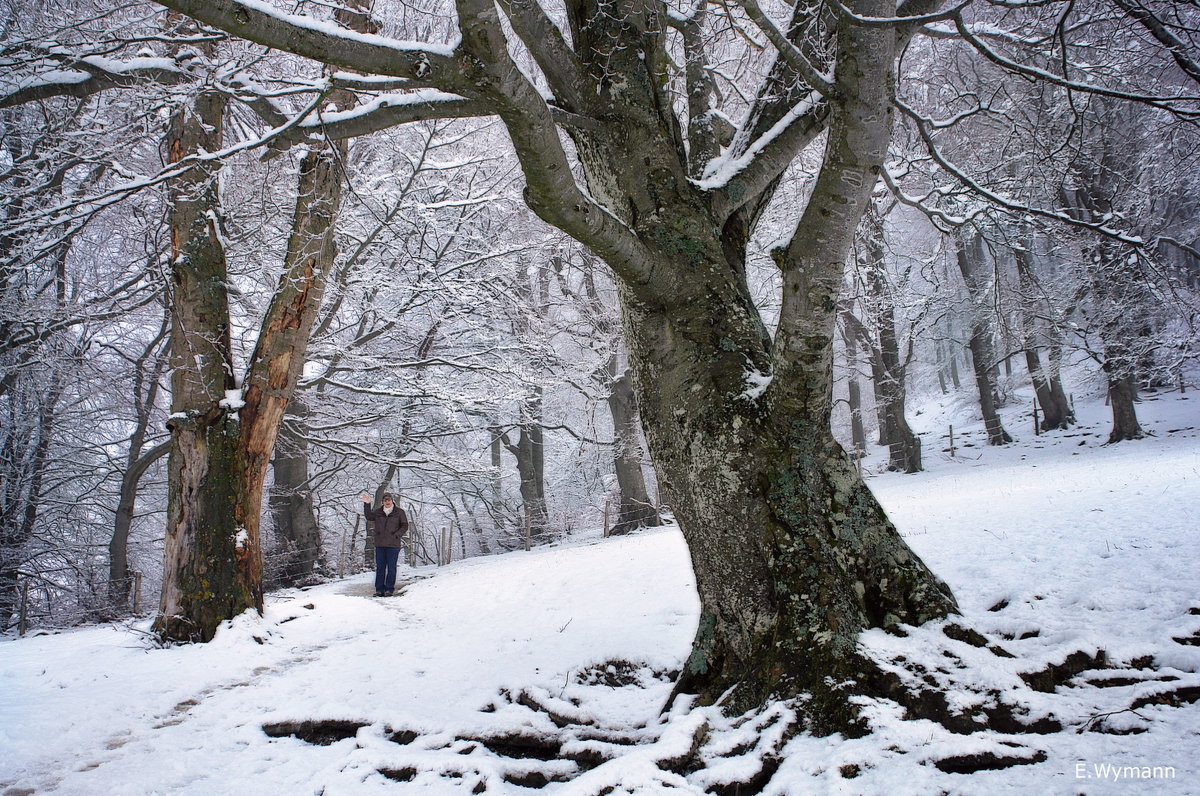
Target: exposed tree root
[540,737]
[987,761]
[322,733]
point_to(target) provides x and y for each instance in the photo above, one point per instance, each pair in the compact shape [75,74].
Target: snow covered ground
[1058,549]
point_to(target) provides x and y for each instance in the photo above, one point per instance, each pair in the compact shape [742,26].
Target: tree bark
[205,557]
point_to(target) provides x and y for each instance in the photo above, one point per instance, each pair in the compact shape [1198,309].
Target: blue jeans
[385,568]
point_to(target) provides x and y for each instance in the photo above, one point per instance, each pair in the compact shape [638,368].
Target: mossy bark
[223,433]
[792,554]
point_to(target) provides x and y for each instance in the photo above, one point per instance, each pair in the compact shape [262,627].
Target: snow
[1053,546]
[336,31]
[234,399]
[391,100]
[756,381]
[721,170]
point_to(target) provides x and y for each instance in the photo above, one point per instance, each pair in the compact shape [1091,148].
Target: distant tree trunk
[147,378]
[904,447]
[636,509]
[528,452]
[1120,298]
[533,293]
[298,538]
[1047,385]
[880,338]
[1122,395]
[858,435]
[119,583]
[971,263]
[26,453]
[496,481]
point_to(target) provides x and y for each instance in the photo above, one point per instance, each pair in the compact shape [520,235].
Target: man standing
[390,526]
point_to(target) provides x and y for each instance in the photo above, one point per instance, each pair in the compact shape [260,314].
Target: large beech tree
[793,556]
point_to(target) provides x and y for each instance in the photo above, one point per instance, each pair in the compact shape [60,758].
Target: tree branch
[88,78]
[1163,35]
[818,80]
[550,191]
[424,64]
[545,42]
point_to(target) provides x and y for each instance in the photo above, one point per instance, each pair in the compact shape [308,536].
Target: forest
[540,268]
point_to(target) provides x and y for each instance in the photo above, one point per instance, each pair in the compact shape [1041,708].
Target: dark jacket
[389,529]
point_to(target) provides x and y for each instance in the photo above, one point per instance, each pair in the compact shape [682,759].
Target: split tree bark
[223,432]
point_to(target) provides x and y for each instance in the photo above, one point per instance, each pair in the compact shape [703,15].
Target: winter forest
[601,272]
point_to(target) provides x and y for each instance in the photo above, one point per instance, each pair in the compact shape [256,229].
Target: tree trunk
[904,447]
[792,554]
[858,435]
[635,509]
[1047,386]
[208,562]
[26,455]
[1122,395]
[971,264]
[298,538]
[221,448]
[222,437]
[119,583]
[530,468]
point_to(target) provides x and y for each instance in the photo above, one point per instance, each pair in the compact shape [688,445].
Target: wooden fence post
[23,623]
